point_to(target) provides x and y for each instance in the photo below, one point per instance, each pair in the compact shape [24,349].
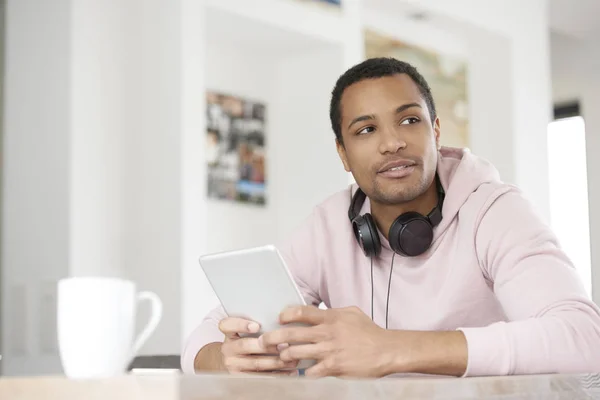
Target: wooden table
[217,387]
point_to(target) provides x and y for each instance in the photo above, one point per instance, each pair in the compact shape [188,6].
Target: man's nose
[391,141]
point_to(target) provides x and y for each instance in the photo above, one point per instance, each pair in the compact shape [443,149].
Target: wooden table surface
[217,387]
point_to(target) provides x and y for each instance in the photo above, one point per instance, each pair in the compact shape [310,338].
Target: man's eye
[410,121]
[367,129]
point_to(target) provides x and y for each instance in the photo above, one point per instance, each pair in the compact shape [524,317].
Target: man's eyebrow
[361,118]
[372,117]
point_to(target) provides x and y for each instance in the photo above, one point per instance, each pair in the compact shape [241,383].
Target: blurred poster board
[235,148]
[446,75]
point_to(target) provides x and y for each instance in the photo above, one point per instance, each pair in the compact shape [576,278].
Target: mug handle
[155,318]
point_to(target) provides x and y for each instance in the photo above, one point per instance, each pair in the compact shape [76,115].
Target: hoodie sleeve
[300,255]
[300,252]
[553,326]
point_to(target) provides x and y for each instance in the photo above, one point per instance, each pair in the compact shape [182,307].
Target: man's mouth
[396,165]
[397,169]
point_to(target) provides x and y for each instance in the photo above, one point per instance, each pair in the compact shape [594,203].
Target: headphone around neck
[411,234]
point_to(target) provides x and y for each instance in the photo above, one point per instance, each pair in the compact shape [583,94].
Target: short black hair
[370,69]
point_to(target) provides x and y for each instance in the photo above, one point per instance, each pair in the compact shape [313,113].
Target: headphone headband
[435,215]
[356,203]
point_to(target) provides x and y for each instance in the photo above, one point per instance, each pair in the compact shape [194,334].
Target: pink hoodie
[494,271]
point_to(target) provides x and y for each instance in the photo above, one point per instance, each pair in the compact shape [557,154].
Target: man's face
[390,145]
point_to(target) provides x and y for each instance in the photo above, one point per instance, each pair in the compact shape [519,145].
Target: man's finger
[303,314]
[303,352]
[257,364]
[248,346]
[291,335]
[233,326]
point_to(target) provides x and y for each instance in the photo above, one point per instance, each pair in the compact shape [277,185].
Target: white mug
[96,325]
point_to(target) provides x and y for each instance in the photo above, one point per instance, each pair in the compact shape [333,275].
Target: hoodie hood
[461,174]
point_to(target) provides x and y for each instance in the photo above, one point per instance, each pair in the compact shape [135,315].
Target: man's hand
[246,354]
[345,342]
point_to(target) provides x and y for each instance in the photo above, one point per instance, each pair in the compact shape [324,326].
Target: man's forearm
[437,353]
[209,358]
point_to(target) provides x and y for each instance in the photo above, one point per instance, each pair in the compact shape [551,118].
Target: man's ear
[342,153]
[437,131]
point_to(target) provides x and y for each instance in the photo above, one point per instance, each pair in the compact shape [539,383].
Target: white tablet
[254,284]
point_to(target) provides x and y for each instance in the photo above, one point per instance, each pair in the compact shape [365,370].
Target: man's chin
[393,192]
[393,197]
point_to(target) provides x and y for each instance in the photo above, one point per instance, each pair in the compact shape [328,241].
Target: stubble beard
[403,193]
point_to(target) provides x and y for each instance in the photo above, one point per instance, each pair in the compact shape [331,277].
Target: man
[433,266]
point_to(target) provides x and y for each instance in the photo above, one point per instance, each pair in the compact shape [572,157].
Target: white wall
[296,92]
[306,168]
[242,72]
[35,247]
[490,98]
[422,34]
[277,65]
[566,69]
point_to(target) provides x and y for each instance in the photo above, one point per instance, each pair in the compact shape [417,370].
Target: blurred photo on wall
[235,148]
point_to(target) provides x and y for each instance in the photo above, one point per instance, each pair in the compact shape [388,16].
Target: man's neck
[385,214]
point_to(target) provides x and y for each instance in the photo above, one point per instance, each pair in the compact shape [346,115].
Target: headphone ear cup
[366,234]
[411,234]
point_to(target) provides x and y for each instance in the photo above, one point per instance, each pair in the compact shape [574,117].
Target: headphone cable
[371,288]
[387,303]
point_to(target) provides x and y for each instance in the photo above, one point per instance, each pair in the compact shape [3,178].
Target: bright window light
[569,193]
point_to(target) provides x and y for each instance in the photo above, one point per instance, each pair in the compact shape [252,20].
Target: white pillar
[35,174]
[102,109]
[354,45]
[196,293]
[490,96]
[532,101]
